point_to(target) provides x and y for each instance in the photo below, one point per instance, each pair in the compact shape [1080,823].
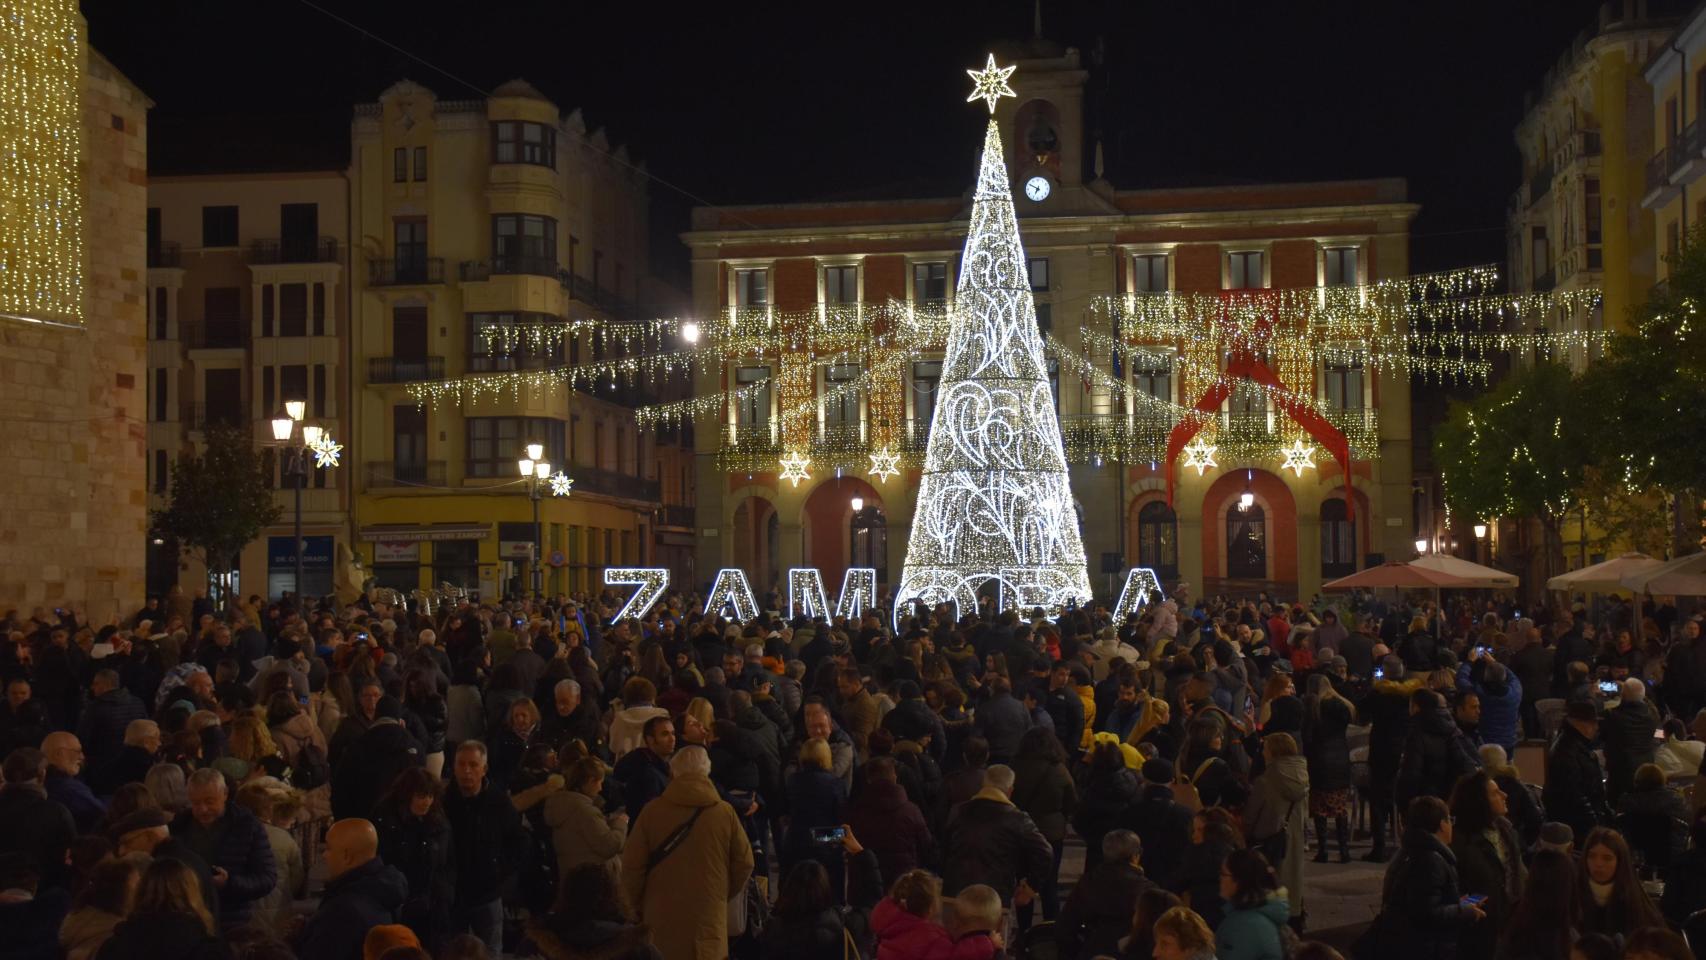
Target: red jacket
[902,936]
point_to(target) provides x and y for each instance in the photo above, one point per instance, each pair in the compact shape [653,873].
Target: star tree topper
[990,83]
[561,484]
[1298,457]
[885,464]
[796,467]
[1200,455]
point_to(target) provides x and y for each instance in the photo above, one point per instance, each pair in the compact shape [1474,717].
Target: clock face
[1037,188]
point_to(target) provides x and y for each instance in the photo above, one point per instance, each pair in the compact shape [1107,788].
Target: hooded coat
[685,897]
[1253,933]
[1436,755]
[628,727]
[1279,800]
[892,827]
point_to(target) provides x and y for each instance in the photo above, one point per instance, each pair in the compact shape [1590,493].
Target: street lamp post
[296,445]
[536,471]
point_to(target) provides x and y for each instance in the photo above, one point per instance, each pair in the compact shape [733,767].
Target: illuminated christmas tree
[994,504]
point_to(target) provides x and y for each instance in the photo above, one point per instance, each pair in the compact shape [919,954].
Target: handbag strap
[675,839]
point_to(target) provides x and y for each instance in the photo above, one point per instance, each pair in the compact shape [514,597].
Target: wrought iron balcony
[323,250]
[404,369]
[509,264]
[613,483]
[218,334]
[404,473]
[405,272]
[676,516]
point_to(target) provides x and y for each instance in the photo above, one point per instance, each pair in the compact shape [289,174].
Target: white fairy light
[858,592]
[730,590]
[651,581]
[994,494]
[562,485]
[1140,583]
[805,593]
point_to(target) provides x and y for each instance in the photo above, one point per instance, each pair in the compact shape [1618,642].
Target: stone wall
[73,501]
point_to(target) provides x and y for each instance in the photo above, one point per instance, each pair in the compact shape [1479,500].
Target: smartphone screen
[828,834]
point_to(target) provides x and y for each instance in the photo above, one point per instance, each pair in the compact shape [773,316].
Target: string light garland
[41,151]
[994,501]
[650,581]
[858,592]
[1141,587]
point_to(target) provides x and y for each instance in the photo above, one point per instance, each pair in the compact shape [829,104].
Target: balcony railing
[397,273]
[200,416]
[393,473]
[1587,143]
[322,250]
[613,483]
[472,270]
[222,334]
[1540,183]
[673,516]
[1658,170]
[163,254]
[404,369]
[586,291]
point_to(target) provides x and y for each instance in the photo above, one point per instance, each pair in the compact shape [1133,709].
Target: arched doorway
[1246,543]
[1338,539]
[755,529]
[1158,540]
[868,535]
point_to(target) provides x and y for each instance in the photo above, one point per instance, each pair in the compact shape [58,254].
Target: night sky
[755,102]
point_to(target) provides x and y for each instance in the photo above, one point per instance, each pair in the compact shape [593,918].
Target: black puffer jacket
[1387,708]
[244,852]
[1627,734]
[488,840]
[1436,754]
[1421,916]
[990,841]
[1102,807]
[814,937]
[38,827]
[104,720]
[1164,826]
[420,849]
[1574,793]
[1326,748]
[432,717]
[369,766]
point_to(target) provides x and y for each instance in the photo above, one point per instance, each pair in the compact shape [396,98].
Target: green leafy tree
[1520,451]
[221,499]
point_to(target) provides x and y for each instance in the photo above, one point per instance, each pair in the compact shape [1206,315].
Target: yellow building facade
[1674,197]
[468,217]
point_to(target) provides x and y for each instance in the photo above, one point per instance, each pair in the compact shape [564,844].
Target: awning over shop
[417,532]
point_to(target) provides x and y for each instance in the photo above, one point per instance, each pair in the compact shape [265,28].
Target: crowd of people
[536,778]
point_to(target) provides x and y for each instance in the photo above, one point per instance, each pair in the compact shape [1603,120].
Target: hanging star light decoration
[561,484]
[885,464]
[326,451]
[796,467]
[1200,455]
[1298,457]
[990,83]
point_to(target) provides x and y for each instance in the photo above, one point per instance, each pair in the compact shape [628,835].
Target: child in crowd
[907,927]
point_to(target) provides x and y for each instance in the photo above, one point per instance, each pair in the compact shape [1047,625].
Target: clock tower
[1045,127]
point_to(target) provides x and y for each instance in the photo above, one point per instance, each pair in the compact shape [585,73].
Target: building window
[926,382]
[1037,269]
[516,141]
[1054,382]
[161,318]
[1248,401]
[495,444]
[267,309]
[841,400]
[218,227]
[524,243]
[752,408]
[293,382]
[293,310]
[319,309]
[840,284]
[929,282]
[1045,318]
[1540,252]
[269,392]
[162,473]
[1339,267]
[752,288]
[1149,273]
[161,392]
[420,163]
[1152,375]
[318,406]
[1158,539]
[1244,270]
[1591,214]
[1344,386]
[457,562]
[1338,539]
[400,165]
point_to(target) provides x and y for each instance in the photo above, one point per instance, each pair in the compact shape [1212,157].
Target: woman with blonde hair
[101,906]
[1274,814]
[251,742]
[698,722]
[169,920]
[816,797]
[1327,717]
[1180,934]
[275,804]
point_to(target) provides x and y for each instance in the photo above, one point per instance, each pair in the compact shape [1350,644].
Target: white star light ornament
[1298,457]
[990,83]
[885,464]
[561,484]
[1201,456]
[796,467]
[326,451]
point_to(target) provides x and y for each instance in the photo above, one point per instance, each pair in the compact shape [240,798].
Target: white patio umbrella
[1681,577]
[1605,577]
[1486,578]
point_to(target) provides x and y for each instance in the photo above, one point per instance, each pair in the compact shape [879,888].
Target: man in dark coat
[370,764]
[961,784]
[1436,751]
[643,771]
[132,762]
[990,841]
[489,842]
[1422,914]
[1098,913]
[361,893]
[1575,790]
[1627,734]
[1065,707]
[64,762]
[1161,823]
[1002,720]
[231,841]
[912,719]
[571,717]
[105,717]
[892,825]
[30,823]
